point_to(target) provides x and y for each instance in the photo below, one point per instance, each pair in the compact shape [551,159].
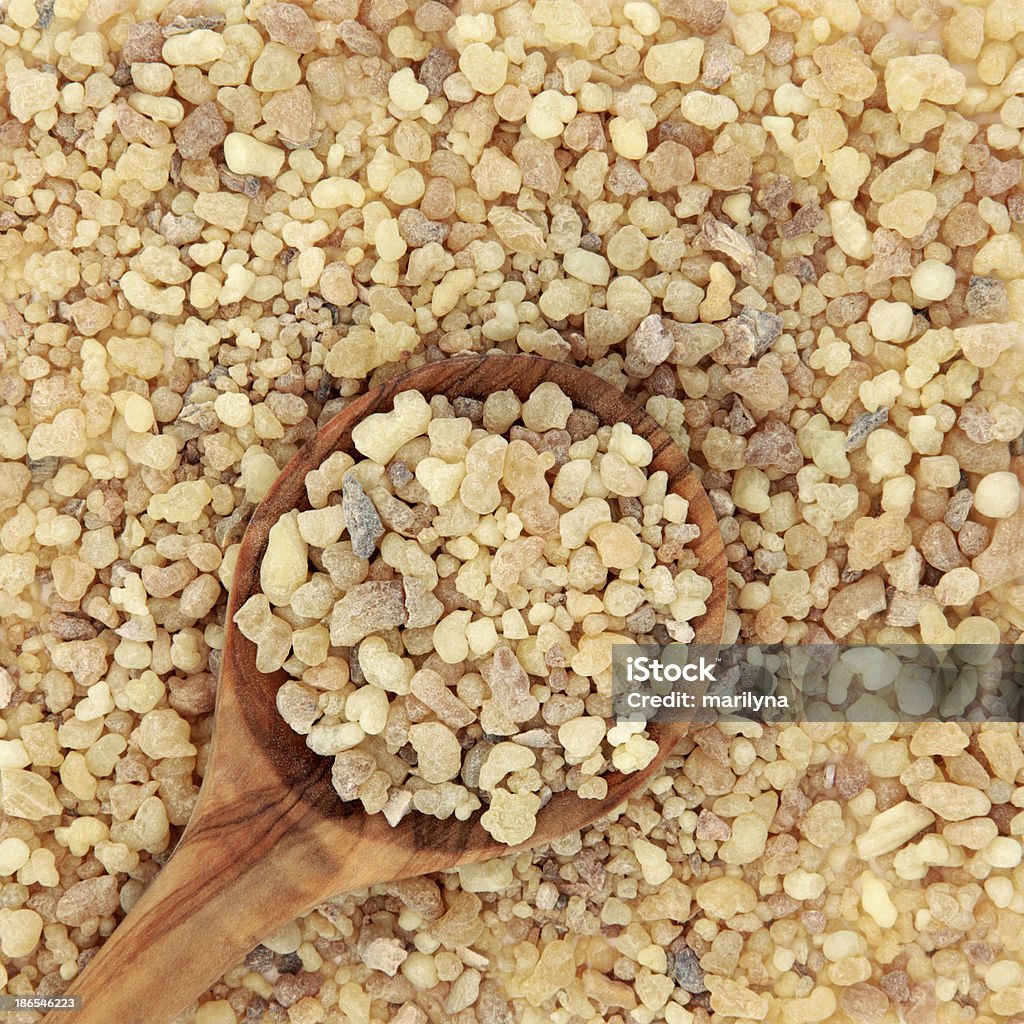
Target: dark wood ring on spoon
[269,838]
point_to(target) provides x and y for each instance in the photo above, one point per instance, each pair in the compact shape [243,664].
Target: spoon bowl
[269,838]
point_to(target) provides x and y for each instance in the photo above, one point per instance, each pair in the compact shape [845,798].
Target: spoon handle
[242,869]
[192,923]
[217,896]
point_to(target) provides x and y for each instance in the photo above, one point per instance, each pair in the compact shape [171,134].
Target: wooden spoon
[269,838]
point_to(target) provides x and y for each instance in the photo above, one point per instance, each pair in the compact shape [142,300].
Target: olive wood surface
[269,838]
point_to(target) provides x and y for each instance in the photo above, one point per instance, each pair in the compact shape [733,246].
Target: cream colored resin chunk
[285,566]
[246,155]
[380,435]
[892,828]
[678,61]
[194,48]
[997,495]
[953,802]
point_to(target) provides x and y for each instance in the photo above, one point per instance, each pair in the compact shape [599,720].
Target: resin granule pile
[432,677]
[791,232]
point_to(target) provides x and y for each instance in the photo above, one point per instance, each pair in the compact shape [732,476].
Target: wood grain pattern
[269,838]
